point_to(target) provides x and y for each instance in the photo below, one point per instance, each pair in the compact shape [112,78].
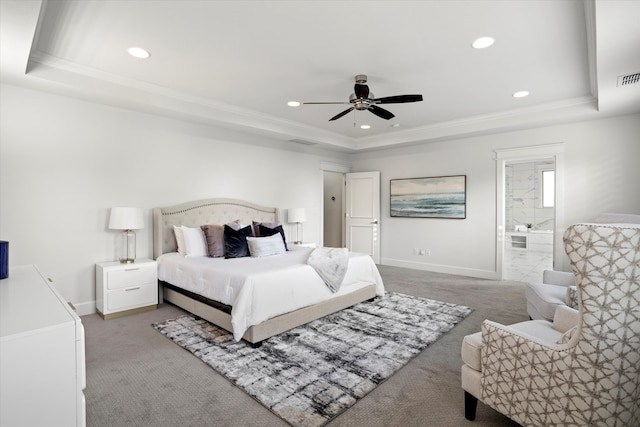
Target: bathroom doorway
[530,201]
[529,219]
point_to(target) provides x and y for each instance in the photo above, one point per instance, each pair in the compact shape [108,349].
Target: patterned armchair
[589,375]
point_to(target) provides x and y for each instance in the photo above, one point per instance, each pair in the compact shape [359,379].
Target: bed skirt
[220,314]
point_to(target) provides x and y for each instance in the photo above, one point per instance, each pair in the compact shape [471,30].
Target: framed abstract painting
[432,197]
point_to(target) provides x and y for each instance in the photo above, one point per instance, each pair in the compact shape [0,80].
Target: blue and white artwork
[436,197]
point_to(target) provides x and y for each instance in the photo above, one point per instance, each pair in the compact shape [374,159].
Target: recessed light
[293,104]
[395,125]
[521,94]
[138,52]
[483,42]
[365,126]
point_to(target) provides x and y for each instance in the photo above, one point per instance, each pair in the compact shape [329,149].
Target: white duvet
[261,288]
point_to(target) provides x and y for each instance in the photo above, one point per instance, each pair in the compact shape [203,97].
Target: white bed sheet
[261,288]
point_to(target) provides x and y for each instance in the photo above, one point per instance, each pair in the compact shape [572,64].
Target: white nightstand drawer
[131,276]
[123,299]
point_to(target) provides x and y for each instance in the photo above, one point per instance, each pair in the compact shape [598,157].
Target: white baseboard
[84,308]
[436,268]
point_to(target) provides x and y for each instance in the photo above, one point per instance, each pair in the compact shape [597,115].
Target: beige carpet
[136,377]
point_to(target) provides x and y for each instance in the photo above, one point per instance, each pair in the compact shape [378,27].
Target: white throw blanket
[331,265]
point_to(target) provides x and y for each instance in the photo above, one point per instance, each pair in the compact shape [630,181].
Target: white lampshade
[126,219]
[297,215]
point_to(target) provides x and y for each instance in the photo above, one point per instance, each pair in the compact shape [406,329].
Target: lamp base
[126,248]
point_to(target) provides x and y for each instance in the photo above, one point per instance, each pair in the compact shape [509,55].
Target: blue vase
[4,259]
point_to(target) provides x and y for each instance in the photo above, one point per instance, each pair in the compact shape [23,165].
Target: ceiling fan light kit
[363,99]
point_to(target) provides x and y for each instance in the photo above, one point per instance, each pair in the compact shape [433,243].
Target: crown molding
[522,118]
[107,87]
[112,89]
[592,58]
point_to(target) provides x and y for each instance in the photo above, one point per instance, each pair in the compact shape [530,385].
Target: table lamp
[127,220]
[297,216]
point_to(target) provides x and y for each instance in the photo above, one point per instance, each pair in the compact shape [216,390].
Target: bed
[254,298]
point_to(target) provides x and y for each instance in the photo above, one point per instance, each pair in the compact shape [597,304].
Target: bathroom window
[548,188]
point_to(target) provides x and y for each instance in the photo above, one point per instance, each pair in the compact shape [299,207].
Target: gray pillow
[257,224]
[265,246]
[265,230]
[215,239]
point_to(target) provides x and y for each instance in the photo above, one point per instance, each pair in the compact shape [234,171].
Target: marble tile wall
[522,196]
[522,206]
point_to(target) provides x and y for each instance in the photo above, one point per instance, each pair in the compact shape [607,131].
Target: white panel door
[363,213]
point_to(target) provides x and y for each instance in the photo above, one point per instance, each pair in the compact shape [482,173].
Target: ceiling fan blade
[306,103]
[361,90]
[398,99]
[381,112]
[336,117]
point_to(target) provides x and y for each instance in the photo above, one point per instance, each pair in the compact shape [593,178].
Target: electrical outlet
[427,252]
[416,251]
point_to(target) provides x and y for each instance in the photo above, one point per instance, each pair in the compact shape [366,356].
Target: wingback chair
[558,287]
[589,375]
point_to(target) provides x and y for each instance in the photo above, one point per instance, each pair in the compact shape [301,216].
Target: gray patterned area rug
[313,373]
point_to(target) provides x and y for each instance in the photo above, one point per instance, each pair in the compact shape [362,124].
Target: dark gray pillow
[235,242]
[256,227]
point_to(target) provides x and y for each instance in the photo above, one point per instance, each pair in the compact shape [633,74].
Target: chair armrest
[540,332]
[560,278]
[565,318]
[517,367]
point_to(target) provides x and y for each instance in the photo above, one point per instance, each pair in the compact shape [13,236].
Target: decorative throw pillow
[265,230]
[256,227]
[236,225]
[572,297]
[235,241]
[265,246]
[195,242]
[177,230]
[214,234]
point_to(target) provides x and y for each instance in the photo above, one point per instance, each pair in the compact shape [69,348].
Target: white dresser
[126,288]
[42,362]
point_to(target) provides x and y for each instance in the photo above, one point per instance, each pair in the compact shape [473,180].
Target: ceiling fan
[362,99]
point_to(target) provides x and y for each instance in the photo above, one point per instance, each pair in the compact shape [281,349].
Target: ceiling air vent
[629,79]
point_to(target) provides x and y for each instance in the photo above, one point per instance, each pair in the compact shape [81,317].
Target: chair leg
[470,406]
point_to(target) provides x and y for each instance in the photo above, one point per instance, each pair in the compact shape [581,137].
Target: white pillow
[182,250]
[266,246]
[195,242]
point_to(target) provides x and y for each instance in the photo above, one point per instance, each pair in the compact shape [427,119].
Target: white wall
[602,174]
[64,163]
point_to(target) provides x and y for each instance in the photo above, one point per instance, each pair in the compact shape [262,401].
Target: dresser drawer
[127,298]
[131,276]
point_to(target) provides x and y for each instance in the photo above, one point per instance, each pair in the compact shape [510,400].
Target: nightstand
[123,289]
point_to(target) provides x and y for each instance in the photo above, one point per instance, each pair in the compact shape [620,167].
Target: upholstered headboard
[201,212]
